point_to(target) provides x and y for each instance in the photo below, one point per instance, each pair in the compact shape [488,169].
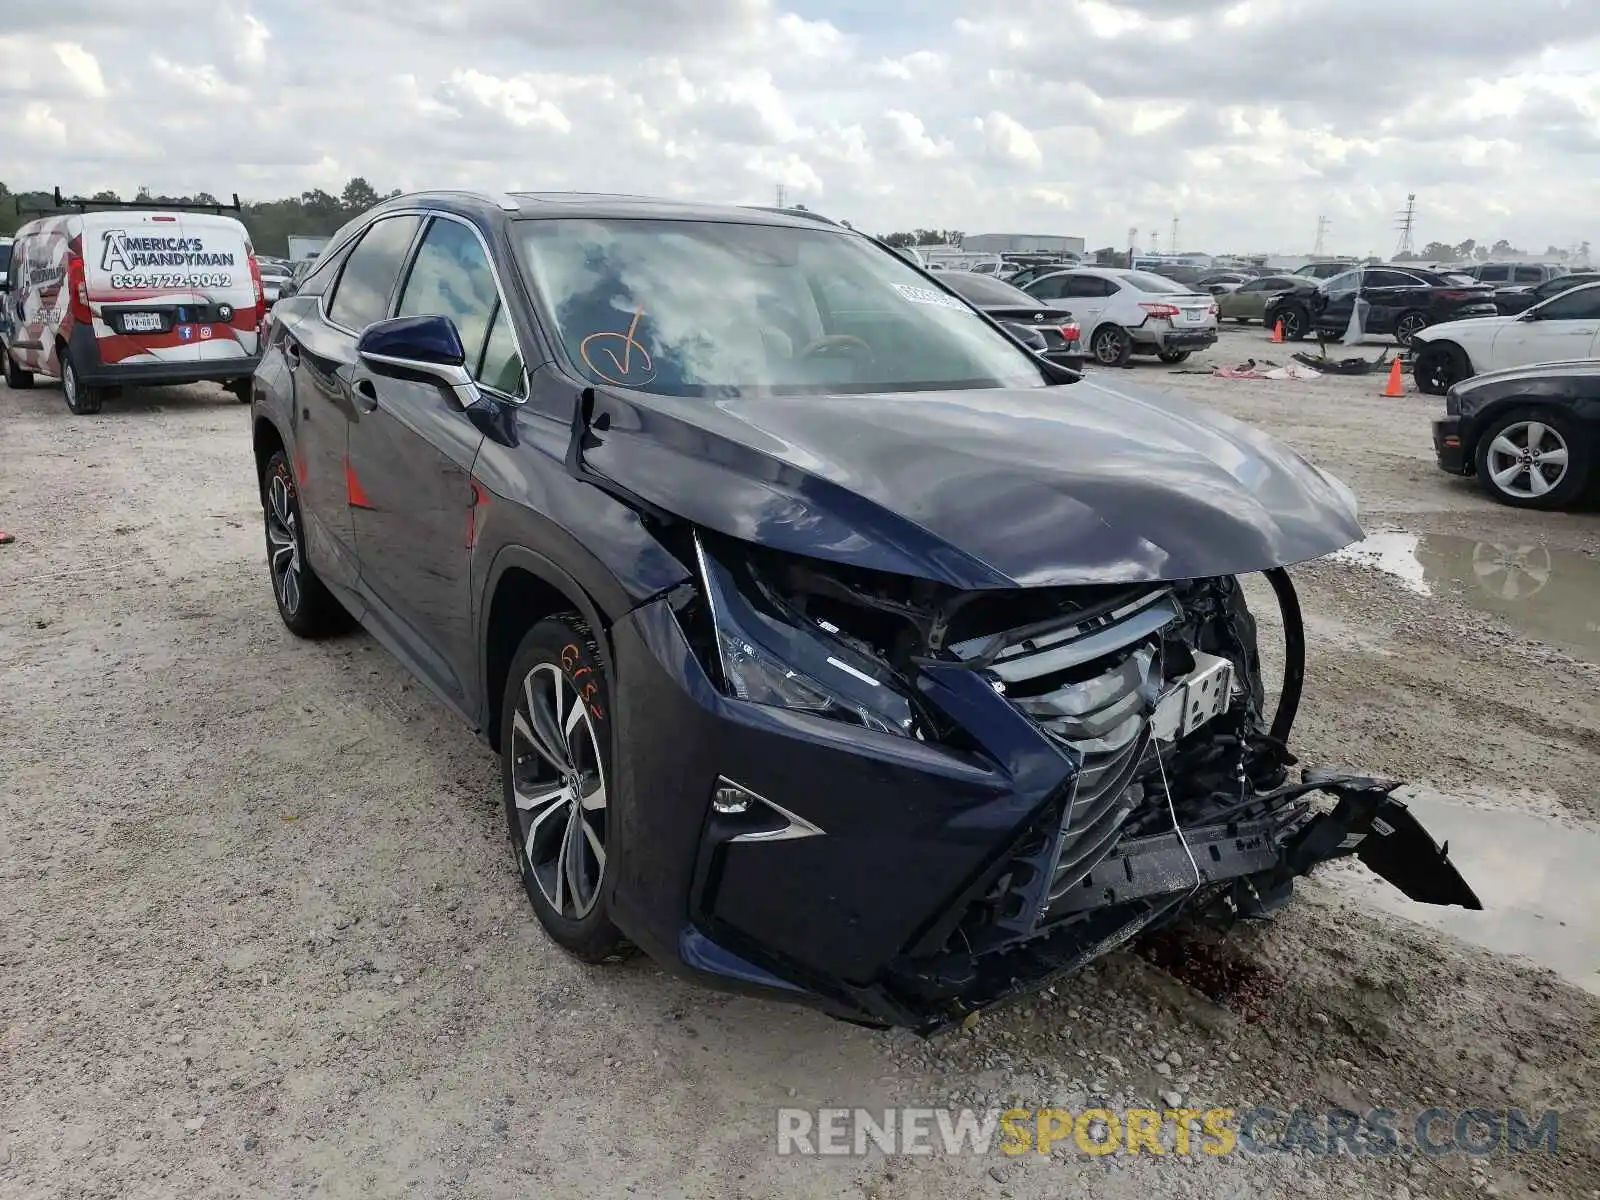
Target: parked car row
[1398,302]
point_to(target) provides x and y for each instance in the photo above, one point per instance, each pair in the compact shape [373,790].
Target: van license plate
[141,322]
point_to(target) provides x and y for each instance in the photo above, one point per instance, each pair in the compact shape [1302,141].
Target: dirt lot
[260,935]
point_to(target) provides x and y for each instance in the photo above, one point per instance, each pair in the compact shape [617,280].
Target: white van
[131,296]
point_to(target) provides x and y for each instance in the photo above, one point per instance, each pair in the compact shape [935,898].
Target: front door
[1565,328]
[413,447]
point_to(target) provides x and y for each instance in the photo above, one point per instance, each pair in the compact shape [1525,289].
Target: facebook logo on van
[185,332]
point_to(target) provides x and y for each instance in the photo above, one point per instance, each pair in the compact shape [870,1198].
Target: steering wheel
[834,341]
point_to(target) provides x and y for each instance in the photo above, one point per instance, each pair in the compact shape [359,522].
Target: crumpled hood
[1076,484]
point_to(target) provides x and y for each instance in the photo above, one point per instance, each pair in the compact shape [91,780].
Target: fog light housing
[730,799]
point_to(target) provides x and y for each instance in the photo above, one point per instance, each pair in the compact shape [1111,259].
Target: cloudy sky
[1247,118]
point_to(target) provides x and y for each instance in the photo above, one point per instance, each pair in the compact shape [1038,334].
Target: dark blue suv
[835,646]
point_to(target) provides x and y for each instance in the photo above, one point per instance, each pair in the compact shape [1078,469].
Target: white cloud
[1008,139]
[1077,116]
[82,67]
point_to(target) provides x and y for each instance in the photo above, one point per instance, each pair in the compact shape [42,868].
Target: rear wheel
[1439,366]
[1111,346]
[556,764]
[240,389]
[1409,325]
[304,603]
[83,399]
[1172,356]
[16,377]
[1535,458]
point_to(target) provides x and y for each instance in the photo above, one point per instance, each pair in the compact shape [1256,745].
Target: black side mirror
[420,348]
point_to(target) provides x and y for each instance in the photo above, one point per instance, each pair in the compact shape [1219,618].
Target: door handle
[366,395]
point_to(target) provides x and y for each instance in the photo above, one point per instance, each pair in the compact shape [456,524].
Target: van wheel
[82,399]
[16,377]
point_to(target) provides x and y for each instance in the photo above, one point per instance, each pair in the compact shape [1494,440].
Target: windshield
[988,291]
[1145,282]
[717,308]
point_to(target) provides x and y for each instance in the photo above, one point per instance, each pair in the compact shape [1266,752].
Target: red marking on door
[480,497]
[352,487]
[299,466]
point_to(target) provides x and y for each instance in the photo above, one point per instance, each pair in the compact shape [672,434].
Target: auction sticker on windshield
[922,295]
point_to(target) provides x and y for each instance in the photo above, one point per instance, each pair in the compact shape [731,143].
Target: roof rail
[794,212]
[84,204]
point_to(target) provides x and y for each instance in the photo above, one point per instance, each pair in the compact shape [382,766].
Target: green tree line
[270,222]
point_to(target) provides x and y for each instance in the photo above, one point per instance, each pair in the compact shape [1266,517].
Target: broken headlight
[769,654]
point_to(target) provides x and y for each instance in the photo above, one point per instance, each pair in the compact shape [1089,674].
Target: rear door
[320,348]
[1087,296]
[164,286]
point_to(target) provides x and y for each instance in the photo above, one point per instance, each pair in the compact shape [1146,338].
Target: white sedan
[1563,328]
[1126,312]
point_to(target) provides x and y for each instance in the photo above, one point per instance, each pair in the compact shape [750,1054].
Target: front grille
[1090,687]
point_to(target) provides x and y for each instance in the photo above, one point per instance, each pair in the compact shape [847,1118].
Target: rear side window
[451,278]
[362,294]
[1493,274]
[1529,274]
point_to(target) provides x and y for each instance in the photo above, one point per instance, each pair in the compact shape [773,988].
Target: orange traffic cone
[1396,385]
[1277,331]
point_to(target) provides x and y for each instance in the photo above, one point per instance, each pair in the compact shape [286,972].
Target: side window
[1493,274]
[1343,284]
[1051,287]
[1083,286]
[1529,274]
[362,294]
[450,277]
[501,365]
[1390,279]
[1583,305]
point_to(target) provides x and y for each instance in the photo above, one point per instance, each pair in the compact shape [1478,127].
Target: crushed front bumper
[1447,448]
[853,881]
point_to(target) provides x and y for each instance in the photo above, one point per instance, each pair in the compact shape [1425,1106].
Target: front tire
[555,767]
[1111,346]
[1534,458]
[1439,366]
[304,602]
[1296,322]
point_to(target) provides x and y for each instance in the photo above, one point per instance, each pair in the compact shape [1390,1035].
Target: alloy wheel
[1527,459]
[1291,323]
[283,541]
[559,789]
[69,384]
[1108,346]
[1438,371]
[1410,325]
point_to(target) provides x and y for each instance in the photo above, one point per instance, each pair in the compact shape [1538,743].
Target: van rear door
[164,286]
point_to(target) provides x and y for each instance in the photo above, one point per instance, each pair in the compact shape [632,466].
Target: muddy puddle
[1537,880]
[1552,596]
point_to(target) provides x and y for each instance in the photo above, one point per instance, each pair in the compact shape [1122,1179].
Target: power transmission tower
[781,196]
[1405,224]
[1155,241]
[1173,245]
[1322,232]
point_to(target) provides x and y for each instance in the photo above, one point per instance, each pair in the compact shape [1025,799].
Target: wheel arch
[523,588]
[266,440]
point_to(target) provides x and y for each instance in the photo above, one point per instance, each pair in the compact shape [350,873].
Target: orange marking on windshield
[624,365]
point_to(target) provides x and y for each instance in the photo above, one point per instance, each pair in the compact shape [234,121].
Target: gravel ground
[260,935]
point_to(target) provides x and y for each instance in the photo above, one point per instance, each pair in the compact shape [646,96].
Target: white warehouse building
[1022,243]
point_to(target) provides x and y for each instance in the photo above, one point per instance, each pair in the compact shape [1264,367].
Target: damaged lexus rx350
[836,646]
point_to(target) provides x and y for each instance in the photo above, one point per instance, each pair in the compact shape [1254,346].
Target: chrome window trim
[494,271]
